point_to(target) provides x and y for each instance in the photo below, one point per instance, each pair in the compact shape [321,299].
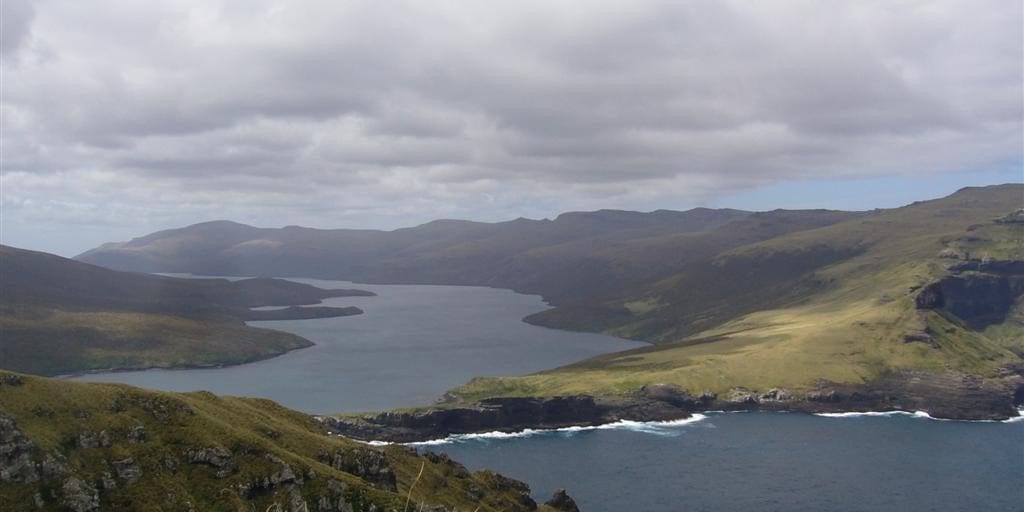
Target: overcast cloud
[126,116]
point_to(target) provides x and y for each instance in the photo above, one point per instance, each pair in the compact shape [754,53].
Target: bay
[412,344]
[767,462]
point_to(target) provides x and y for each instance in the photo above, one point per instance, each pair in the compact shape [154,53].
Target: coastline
[188,366]
[664,403]
[661,427]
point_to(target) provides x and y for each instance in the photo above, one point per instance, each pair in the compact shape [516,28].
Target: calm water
[769,462]
[412,344]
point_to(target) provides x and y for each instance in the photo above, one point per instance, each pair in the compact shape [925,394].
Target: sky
[120,118]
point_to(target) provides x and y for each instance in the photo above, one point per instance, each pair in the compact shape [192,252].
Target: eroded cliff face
[979,293]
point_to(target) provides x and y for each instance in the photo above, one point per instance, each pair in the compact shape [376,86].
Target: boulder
[128,470]
[562,501]
[79,496]
[742,396]
[215,457]
[776,395]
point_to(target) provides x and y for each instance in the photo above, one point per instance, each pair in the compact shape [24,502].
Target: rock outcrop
[949,395]
[16,453]
[216,457]
[979,292]
[512,414]
[563,502]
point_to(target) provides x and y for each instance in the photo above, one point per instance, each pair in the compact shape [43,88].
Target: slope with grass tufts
[87,447]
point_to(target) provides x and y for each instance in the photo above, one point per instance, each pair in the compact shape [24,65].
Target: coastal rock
[107,481]
[283,477]
[215,457]
[128,470]
[671,394]
[979,292]
[89,439]
[16,462]
[369,464]
[742,396]
[452,468]
[10,379]
[509,414]
[707,397]
[776,395]
[137,434]
[828,395]
[79,496]
[562,501]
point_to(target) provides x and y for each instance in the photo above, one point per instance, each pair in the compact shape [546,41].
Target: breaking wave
[915,414]
[661,428]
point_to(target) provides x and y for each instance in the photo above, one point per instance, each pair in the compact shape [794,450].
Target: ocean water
[766,462]
[411,345]
[415,342]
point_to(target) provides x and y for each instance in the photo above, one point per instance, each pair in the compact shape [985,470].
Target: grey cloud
[478,108]
[15,25]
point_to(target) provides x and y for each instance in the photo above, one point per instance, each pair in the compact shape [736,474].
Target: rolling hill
[933,289]
[60,316]
[736,302]
[89,447]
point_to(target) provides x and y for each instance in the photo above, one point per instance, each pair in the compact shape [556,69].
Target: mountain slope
[58,316]
[87,447]
[578,258]
[934,287]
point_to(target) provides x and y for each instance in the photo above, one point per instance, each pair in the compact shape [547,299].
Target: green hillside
[838,303]
[61,316]
[86,447]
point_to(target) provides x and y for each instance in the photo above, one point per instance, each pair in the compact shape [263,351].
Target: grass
[721,328]
[49,341]
[53,413]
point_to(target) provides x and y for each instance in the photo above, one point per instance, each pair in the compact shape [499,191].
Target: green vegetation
[60,316]
[47,341]
[833,303]
[144,450]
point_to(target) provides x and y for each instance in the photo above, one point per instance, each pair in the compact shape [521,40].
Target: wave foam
[665,428]
[915,414]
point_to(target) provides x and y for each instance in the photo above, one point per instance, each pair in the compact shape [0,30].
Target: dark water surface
[415,342]
[768,462]
[412,344]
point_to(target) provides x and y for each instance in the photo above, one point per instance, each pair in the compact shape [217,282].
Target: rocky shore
[947,396]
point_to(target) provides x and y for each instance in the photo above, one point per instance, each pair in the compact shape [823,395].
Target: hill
[807,303]
[89,447]
[59,316]
[579,257]
[932,290]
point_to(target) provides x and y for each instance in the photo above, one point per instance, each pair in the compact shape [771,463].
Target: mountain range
[732,299]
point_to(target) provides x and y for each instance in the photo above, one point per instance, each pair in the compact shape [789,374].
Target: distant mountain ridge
[802,303]
[576,257]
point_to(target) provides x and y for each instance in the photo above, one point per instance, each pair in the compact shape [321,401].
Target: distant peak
[220,223]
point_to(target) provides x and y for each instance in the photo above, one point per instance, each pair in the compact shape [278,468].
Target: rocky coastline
[945,396]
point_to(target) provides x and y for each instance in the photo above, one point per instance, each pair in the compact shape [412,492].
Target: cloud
[128,113]
[15,25]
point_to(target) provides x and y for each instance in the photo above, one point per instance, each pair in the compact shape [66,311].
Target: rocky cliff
[950,395]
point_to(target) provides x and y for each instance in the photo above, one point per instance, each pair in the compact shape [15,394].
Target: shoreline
[667,403]
[190,366]
[660,427]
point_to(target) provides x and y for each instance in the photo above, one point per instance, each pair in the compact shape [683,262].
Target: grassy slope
[62,316]
[53,413]
[849,328]
[49,341]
